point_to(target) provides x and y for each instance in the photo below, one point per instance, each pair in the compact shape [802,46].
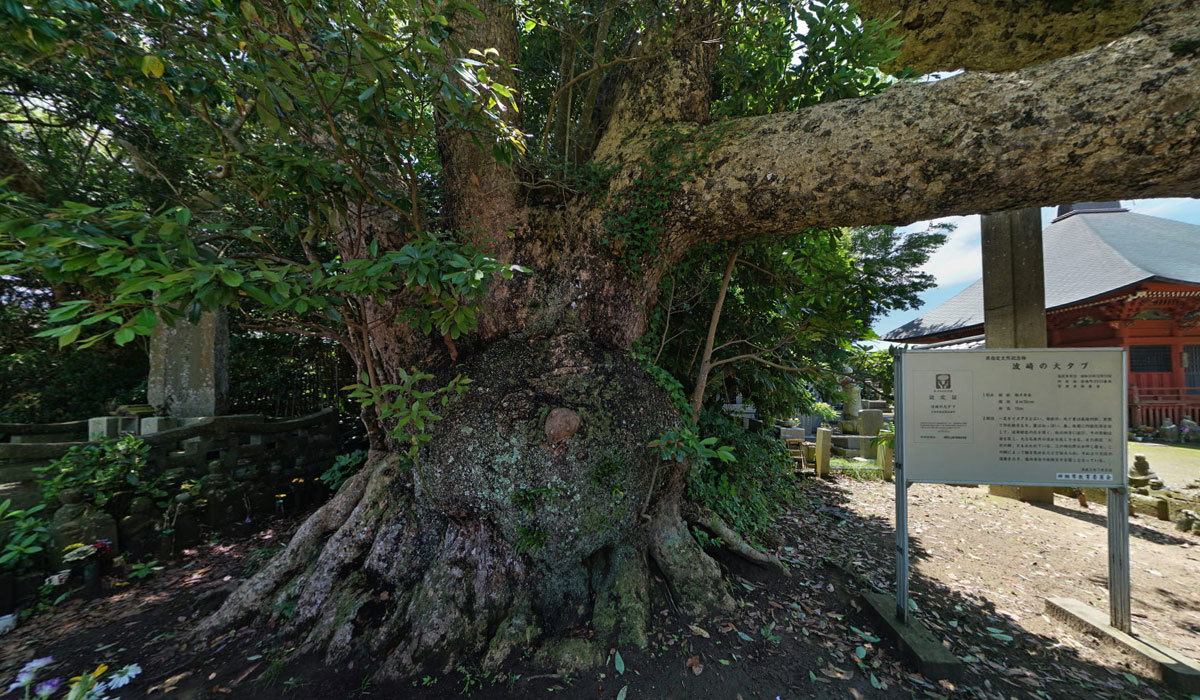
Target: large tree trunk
[538,508]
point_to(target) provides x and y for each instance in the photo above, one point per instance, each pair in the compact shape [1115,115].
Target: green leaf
[366,94]
[69,336]
[619,663]
[152,66]
[231,278]
[625,690]
[124,335]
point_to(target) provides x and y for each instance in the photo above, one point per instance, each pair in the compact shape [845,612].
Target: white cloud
[959,259]
[1179,209]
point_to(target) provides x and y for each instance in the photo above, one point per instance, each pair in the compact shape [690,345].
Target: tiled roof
[1086,255]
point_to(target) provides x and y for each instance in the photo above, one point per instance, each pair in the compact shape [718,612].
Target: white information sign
[1027,417]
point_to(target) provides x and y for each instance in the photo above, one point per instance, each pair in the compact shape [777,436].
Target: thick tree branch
[1115,122]
[988,35]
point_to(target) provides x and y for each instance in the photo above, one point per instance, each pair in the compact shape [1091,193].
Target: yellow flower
[99,670]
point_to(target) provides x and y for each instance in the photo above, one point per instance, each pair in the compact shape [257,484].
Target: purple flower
[46,688]
[24,678]
[38,663]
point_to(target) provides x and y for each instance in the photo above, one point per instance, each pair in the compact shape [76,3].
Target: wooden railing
[1158,405]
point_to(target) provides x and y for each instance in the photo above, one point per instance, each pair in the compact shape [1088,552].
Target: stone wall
[187,445]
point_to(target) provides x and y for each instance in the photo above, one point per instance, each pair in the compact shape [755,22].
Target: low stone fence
[297,443]
[222,471]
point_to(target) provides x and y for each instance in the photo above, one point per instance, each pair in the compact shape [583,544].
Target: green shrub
[344,466]
[24,536]
[102,469]
[751,489]
[825,412]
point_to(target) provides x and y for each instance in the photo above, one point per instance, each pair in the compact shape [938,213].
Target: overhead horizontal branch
[1118,121]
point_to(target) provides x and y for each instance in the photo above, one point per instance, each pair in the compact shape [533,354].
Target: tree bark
[1118,121]
[945,35]
[709,339]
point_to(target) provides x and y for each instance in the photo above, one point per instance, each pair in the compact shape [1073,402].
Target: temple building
[1113,278]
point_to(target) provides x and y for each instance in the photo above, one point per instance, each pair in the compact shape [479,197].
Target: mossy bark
[508,541]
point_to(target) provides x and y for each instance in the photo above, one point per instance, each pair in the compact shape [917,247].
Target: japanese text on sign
[1049,417]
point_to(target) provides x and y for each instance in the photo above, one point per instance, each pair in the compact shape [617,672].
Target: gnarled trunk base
[536,510]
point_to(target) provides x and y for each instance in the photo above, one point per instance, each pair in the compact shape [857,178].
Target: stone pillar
[824,443]
[189,374]
[112,426]
[870,422]
[1014,299]
[1014,279]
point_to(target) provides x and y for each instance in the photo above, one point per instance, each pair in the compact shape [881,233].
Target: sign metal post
[901,477]
[1118,560]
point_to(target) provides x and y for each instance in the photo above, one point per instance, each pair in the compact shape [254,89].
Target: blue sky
[957,263]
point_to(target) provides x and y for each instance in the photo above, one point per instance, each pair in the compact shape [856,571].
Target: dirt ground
[982,566]
[1016,554]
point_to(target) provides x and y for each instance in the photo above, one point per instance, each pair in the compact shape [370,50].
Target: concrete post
[824,443]
[1014,299]
[189,374]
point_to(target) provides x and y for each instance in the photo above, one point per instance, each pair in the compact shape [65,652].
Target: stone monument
[189,374]
[1140,476]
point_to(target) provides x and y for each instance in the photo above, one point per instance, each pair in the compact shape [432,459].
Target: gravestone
[887,458]
[786,433]
[1141,477]
[189,374]
[139,536]
[870,422]
[76,523]
[221,501]
[851,400]
[1190,430]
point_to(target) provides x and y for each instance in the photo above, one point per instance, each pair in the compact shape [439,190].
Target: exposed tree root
[695,578]
[377,572]
[712,522]
[251,597]
[528,539]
